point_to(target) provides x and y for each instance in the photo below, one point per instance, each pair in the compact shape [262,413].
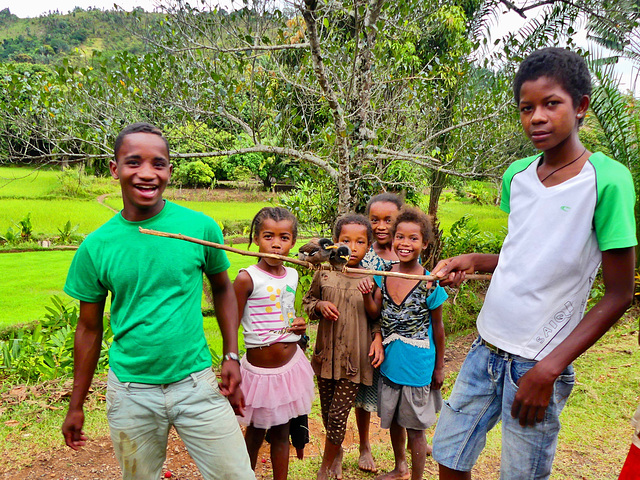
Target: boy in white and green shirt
[569,211]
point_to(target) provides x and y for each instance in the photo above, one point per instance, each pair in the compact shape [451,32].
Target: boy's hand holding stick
[309,265]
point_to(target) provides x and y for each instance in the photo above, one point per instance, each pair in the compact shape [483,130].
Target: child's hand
[376,351]
[230,377]
[236,399]
[298,326]
[366,286]
[438,378]
[328,310]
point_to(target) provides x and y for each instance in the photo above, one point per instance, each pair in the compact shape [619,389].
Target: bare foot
[322,474]
[336,467]
[399,473]
[366,462]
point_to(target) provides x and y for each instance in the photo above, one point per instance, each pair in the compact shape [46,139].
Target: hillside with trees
[49,38]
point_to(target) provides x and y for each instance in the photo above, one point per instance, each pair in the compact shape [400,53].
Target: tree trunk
[438,183]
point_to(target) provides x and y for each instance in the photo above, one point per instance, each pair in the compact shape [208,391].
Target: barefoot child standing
[277,378]
[413,337]
[348,345]
[382,211]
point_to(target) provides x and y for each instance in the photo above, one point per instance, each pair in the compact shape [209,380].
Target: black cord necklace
[565,165]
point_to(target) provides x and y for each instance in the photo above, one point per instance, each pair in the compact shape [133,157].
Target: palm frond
[616,117]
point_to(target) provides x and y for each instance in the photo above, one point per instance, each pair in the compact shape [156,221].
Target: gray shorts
[411,407]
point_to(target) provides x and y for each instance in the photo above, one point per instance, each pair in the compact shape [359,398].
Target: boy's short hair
[413,215]
[385,197]
[564,66]
[349,219]
[139,127]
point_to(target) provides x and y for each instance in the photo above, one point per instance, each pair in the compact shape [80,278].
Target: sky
[33,8]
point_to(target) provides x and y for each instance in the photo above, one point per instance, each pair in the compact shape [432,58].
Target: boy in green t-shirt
[160,366]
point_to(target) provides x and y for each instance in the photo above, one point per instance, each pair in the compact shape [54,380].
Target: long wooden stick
[302,263]
[408,276]
[275,256]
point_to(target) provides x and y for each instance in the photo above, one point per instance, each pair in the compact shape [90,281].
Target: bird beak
[331,247]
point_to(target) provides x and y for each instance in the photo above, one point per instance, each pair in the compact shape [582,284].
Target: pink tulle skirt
[273,396]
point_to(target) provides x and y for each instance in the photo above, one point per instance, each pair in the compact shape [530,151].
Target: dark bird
[316,251]
[340,256]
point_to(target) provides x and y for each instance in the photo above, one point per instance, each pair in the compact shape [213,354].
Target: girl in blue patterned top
[411,320]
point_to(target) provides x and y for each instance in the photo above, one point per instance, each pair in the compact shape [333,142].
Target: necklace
[565,165]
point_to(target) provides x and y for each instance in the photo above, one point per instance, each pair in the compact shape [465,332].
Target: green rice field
[17,182]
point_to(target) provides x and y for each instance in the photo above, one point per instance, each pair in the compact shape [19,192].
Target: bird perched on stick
[316,251]
[339,257]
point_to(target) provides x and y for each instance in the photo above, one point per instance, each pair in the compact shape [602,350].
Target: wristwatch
[231,356]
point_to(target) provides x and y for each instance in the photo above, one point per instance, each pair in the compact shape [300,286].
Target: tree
[349,87]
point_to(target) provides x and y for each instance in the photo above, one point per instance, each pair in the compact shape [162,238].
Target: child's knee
[415,435]
[279,434]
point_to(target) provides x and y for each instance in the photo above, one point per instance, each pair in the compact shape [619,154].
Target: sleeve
[506,193]
[614,216]
[516,167]
[312,297]
[83,281]
[437,298]
[216,260]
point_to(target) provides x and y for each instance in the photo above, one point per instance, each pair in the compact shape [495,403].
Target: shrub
[465,237]
[194,174]
[235,227]
[461,310]
[26,228]
[69,234]
[315,204]
[76,183]
[11,237]
[482,194]
[45,351]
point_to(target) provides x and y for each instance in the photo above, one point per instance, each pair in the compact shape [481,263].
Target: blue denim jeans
[140,416]
[482,395]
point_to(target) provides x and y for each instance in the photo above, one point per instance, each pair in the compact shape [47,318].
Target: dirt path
[101,201]
[97,461]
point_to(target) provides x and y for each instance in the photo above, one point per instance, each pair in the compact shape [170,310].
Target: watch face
[232,356]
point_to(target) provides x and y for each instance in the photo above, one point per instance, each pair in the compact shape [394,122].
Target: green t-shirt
[156,287]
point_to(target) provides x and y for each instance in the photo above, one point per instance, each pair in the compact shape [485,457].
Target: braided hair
[276,214]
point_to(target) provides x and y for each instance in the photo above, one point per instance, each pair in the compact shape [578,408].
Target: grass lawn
[220,211]
[32,278]
[489,217]
[27,283]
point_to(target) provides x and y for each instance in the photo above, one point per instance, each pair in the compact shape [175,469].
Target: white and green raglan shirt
[552,252]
